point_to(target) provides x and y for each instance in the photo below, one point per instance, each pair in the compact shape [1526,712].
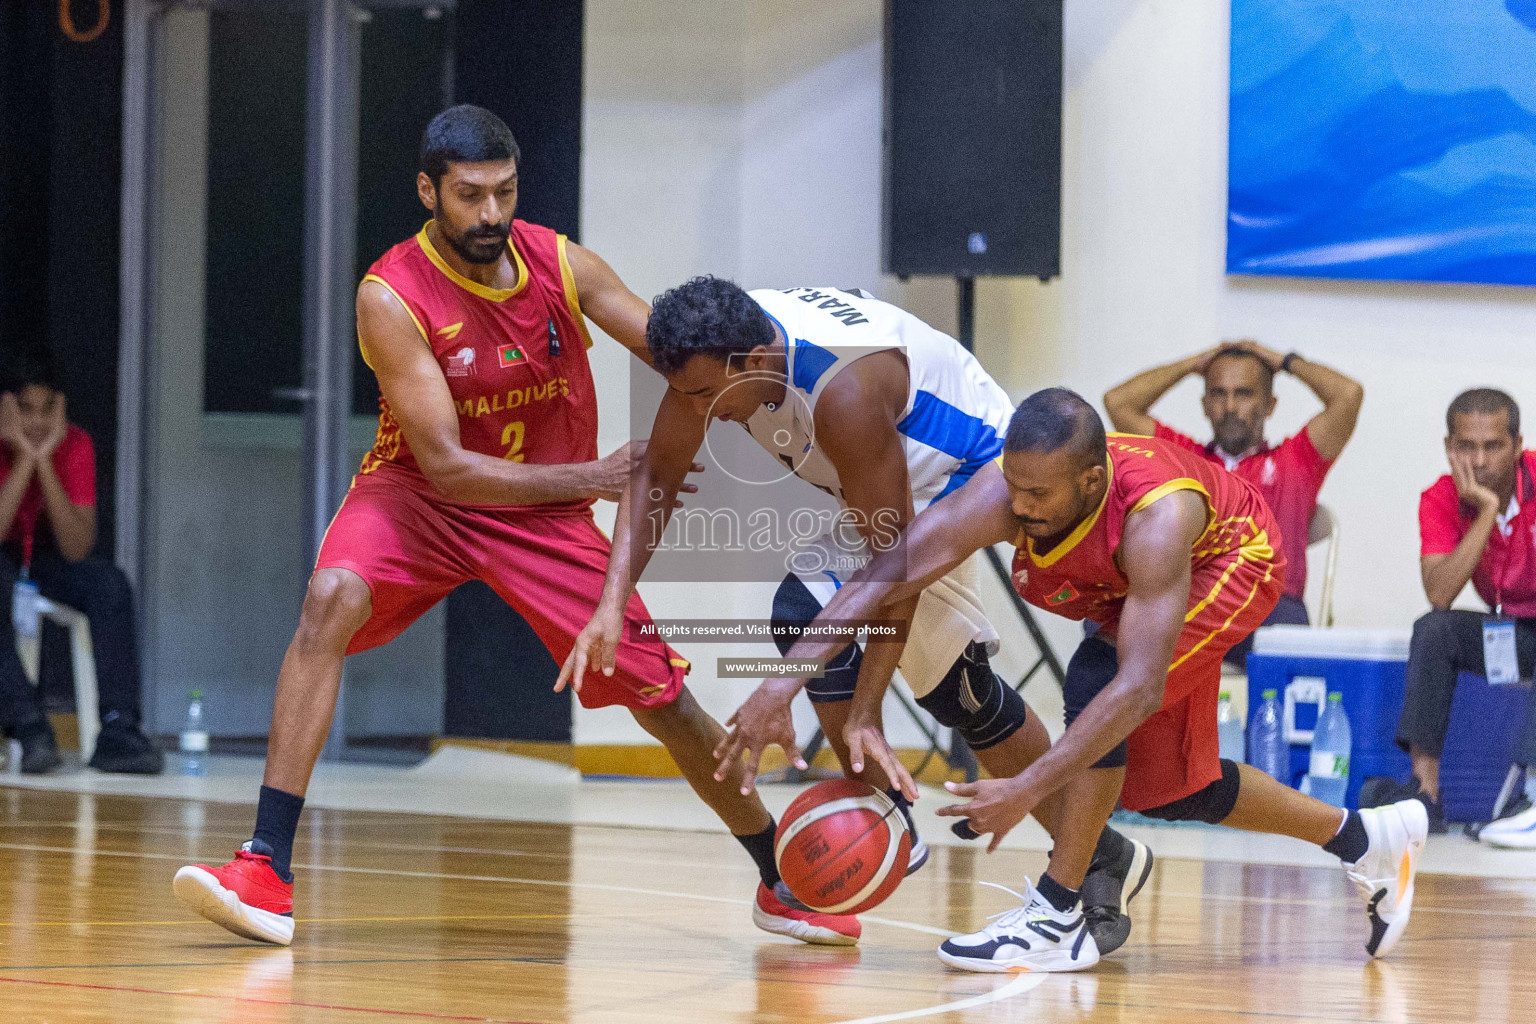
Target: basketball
[842,847]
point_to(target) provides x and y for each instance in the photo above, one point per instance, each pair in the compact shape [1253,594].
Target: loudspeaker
[972,182]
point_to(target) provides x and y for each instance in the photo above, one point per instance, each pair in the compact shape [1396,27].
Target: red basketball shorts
[1176,752]
[412,548]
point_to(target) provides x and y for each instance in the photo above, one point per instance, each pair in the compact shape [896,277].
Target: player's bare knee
[673,721]
[336,605]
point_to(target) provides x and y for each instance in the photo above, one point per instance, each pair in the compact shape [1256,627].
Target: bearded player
[485,468]
[1176,560]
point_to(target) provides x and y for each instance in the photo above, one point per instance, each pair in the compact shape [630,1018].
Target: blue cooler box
[1484,737]
[1368,666]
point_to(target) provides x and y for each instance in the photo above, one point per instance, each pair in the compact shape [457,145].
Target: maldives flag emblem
[1062,596]
[510,355]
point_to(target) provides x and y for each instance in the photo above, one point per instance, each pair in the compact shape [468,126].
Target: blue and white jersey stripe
[955,416]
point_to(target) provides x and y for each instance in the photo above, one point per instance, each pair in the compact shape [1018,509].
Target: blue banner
[1385,139]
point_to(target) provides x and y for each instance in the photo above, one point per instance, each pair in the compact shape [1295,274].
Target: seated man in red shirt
[1239,399]
[47,530]
[1478,524]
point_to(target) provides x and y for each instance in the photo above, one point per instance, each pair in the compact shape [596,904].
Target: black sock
[1111,847]
[1062,898]
[760,847]
[902,803]
[277,822]
[1351,842]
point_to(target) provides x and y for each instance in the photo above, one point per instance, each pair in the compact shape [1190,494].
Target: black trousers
[1446,642]
[100,590]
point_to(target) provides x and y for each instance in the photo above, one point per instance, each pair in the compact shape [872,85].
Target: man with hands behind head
[1238,400]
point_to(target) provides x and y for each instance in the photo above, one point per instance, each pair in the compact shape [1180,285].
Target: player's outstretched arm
[942,536]
[644,511]
[418,396]
[1154,552]
[608,302]
[939,538]
[856,428]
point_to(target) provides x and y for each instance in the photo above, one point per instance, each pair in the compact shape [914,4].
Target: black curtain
[60,203]
[522,60]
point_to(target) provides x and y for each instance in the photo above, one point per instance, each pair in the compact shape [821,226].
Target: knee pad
[973,701]
[1212,805]
[794,606]
[1092,668]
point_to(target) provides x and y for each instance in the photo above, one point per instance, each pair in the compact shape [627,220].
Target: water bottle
[194,738]
[1328,768]
[1229,727]
[26,616]
[1267,749]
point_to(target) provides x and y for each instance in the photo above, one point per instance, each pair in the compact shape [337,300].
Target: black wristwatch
[1285,364]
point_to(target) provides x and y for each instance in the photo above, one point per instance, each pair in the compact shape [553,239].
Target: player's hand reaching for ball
[763,721]
[866,741]
[612,473]
[996,806]
[597,647]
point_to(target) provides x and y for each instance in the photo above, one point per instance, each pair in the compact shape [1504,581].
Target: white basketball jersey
[955,416]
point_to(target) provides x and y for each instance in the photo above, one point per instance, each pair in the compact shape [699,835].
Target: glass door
[254,406]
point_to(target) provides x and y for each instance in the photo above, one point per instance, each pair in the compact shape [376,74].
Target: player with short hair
[865,401]
[1176,560]
[485,467]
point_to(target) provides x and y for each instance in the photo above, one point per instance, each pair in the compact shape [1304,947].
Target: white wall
[742,138]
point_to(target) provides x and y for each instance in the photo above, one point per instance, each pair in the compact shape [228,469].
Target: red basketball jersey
[1081,578]
[515,359]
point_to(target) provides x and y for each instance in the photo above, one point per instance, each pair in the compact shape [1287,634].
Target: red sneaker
[245,896]
[774,915]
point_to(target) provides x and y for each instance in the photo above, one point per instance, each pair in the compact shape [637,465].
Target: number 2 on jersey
[513,436]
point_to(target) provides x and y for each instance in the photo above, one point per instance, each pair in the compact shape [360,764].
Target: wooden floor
[406,917]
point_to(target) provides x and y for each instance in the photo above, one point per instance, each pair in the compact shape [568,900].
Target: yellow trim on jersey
[572,300]
[1183,483]
[403,305]
[1269,572]
[1074,538]
[474,287]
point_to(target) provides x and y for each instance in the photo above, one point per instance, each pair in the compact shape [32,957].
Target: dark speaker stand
[961,756]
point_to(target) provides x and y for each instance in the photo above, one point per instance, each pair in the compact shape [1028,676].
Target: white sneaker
[1514,833]
[1384,876]
[1032,937]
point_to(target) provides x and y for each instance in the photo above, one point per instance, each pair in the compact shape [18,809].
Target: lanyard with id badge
[1501,666]
[1501,660]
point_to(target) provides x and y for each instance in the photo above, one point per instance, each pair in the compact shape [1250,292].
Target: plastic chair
[1324,528]
[82,660]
